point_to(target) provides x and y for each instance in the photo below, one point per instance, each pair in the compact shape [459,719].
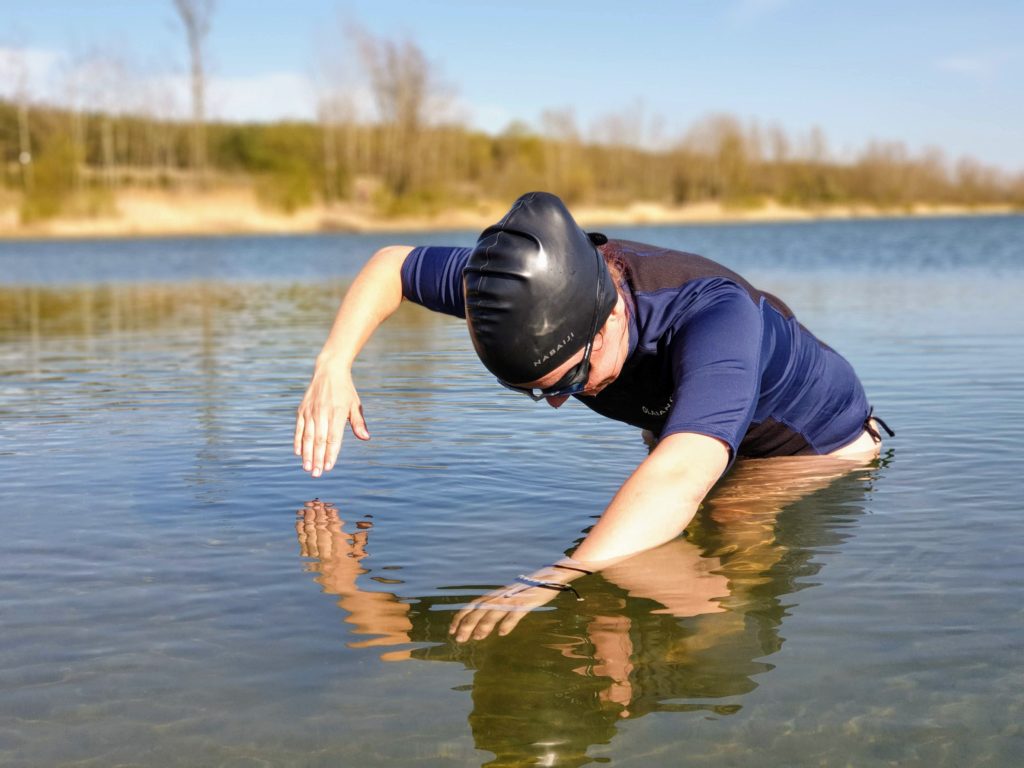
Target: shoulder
[650,268]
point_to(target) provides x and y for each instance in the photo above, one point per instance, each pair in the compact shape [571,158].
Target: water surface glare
[175,591]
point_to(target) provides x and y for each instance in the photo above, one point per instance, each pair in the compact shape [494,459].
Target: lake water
[174,590]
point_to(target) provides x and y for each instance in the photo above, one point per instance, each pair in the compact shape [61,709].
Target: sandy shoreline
[235,212]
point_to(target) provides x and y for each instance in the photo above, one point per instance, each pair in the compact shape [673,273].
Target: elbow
[691,464]
[384,269]
[691,491]
[694,493]
[392,254]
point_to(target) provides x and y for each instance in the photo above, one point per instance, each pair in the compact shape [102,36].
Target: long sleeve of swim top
[432,278]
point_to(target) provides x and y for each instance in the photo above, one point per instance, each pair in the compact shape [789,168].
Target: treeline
[79,160]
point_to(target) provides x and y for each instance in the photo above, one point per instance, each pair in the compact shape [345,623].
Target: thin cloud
[976,65]
[966,65]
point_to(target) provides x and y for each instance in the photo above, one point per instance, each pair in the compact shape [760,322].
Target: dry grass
[237,210]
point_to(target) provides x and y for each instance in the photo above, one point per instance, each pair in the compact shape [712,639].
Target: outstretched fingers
[509,621]
[318,438]
[323,428]
[358,421]
[466,622]
[300,425]
[333,445]
[334,438]
[502,609]
[320,424]
[308,440]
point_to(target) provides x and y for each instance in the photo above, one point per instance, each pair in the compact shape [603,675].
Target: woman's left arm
[653,506]
[658,500]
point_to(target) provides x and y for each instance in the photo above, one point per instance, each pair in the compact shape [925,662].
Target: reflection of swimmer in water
[667,341]
[687,626]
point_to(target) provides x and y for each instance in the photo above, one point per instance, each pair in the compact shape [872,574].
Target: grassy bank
[240,211]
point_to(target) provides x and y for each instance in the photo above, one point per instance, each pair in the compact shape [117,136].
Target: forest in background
[81,160]
[410,154]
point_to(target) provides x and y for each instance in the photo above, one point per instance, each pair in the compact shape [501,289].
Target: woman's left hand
[503,608]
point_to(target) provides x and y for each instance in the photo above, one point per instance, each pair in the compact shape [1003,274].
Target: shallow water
[171,593]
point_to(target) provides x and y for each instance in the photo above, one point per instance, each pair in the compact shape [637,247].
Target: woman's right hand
[330,400]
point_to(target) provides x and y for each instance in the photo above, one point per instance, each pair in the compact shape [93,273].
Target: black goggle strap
[574,375]
[570,383]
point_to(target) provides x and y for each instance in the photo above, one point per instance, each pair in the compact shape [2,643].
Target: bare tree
[337,115]
[153,147]
[98,78]
[195,17]
[565,166]
[15,69]
[617,135]
[623,140]
[335,72]
[74,98]
[721,156]
[405,90]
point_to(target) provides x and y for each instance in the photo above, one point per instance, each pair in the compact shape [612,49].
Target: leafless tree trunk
[330,130]
[565,167]
[778,160]
[24,142]
[17,70]
[618,139]
[107,148]
[403,86]
[78,146]
[100,76]
[195,17]
[336,120]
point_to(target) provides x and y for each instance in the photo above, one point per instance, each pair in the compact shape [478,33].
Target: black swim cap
[536,289]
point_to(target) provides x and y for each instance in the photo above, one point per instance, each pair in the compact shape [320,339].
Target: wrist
[573,565]
[564,571]
[556,586]
[333,362]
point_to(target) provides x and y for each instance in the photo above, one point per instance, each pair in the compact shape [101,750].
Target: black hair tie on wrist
[549,585]
[570,568]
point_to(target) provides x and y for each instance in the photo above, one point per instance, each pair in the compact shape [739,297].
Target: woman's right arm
[331,398]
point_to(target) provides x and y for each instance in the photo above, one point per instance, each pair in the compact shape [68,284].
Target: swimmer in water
[708,366]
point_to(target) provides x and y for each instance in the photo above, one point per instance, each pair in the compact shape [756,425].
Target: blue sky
[927,73]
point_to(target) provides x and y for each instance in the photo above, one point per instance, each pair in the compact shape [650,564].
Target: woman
[673,343]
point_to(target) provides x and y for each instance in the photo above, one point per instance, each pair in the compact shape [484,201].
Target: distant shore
[236,212]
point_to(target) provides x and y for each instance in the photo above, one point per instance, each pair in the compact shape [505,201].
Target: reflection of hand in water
[338,554]
[688,583]
[674,575]
[613,652]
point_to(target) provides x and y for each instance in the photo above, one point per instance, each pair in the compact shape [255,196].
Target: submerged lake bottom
[174,590]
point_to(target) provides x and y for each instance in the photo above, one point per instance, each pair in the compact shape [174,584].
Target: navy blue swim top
[708,353]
